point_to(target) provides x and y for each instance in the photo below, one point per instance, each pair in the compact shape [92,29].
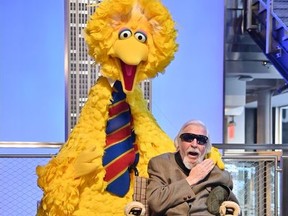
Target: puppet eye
[141,37]
[124,34]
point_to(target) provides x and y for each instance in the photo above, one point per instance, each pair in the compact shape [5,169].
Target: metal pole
[269,17]
[284,183]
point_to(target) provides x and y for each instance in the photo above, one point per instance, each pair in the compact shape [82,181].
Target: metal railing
[259,176]
[268,164]
[267,5]
[266,22]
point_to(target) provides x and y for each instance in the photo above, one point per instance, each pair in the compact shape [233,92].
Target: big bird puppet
[92,173]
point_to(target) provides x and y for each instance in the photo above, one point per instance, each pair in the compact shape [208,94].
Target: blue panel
[32,71]
[192,86]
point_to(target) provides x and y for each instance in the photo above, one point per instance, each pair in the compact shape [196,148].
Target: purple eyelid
[142,32]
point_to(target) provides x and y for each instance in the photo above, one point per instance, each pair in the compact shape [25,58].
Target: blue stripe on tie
[119,95]
[115,150]
[118,122]
[120,186]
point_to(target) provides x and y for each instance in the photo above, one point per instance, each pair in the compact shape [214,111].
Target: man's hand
[200,171]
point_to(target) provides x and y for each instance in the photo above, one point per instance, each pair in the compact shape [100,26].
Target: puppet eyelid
[124,34]
[140,36]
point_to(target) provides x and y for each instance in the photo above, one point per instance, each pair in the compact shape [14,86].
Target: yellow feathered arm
[216,156]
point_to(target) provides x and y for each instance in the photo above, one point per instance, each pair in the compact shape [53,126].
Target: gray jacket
[168,192]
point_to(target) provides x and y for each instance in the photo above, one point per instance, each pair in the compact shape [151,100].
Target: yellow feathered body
[66,195]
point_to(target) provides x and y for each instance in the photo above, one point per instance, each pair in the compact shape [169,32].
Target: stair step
[279,25]
[284,37]
[285,20]
[280,5]
[281,13]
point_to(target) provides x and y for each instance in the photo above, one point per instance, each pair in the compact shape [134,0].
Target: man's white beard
[189,165]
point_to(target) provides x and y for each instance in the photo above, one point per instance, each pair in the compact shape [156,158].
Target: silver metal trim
[30,145]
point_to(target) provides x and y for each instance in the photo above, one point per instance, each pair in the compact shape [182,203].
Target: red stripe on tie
[118,165]
[118,135]
[118,107]
[135,147]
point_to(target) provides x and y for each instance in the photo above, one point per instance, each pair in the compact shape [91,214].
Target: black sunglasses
[189,137]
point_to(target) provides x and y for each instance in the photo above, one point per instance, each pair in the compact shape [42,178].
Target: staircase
[267,24]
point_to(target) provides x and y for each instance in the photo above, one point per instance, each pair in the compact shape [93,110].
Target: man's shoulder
[164,156]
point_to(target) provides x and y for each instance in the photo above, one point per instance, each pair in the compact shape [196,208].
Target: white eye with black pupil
[140,36]
[124,34]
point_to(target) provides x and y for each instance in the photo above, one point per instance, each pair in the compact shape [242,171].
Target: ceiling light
[245,78]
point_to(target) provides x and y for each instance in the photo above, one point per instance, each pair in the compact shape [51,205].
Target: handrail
[281,161]
[30,144]
[252,146]
[270,14]
[26,155]
[19,144]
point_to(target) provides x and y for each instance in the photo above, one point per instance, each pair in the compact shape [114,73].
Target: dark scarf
[179,161]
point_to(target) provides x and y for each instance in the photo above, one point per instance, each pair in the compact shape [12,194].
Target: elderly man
[184,182]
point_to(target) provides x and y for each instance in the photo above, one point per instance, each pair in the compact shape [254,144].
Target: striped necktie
[121,152]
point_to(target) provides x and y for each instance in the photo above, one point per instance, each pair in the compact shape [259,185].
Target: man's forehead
[196,128]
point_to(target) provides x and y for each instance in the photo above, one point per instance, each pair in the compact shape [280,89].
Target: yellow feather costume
[140,35]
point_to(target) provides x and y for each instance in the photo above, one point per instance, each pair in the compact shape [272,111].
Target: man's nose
[194,143]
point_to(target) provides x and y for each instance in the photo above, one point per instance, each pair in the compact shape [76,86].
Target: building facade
[81,71]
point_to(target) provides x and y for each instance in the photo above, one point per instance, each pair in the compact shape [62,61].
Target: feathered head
[132,40]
